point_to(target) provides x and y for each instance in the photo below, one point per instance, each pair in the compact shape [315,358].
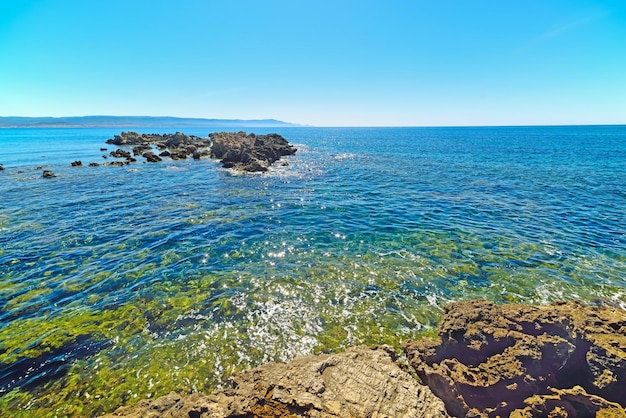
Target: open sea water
[119,283]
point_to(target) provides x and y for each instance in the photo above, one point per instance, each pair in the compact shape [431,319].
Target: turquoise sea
[119,283]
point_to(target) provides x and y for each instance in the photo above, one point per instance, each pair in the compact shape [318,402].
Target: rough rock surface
[574,402]
[251,152]
[491,360]
[360,382]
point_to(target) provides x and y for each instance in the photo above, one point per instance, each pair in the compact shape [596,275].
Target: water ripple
[361,239]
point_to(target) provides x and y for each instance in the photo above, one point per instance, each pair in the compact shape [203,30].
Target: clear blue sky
[318,62]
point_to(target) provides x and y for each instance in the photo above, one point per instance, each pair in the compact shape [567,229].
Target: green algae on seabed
[274,299]
[182,336]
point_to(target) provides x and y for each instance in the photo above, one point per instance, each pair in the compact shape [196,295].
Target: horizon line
[300,125]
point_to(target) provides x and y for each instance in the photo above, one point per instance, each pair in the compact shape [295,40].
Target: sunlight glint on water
[121,283]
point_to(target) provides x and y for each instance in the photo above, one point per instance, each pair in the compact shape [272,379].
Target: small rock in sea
[151,157]
[117,163]
[48,174]
[1,167]
[93,164]
[120,153]
[140,149]
[103,149]
[77,163]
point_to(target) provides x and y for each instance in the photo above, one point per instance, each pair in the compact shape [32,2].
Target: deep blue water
[125,282]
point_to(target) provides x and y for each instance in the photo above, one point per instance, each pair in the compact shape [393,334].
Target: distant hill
[133,122]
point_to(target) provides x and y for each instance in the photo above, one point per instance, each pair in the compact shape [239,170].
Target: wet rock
[178,155]
[48,174]
[152,157]
[251,153]
[1,167]
[360,382]
[140,149]
[94,165]
[77,163]
[120,153]
[490,358]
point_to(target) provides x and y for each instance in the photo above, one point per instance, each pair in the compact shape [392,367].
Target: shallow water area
[119,283]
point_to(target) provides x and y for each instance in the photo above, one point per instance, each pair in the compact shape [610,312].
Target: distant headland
[135,122]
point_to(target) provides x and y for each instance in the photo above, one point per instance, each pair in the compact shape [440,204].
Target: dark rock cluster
[561,360]
[236,150]
[249,152]
[176,146]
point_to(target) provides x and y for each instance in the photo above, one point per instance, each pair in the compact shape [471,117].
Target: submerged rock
[48,174]
[77,163]
[360,382]
[491,360]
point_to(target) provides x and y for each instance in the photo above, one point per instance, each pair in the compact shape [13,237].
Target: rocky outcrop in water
[236,150]
[489,360]
[360,382]
[249,152]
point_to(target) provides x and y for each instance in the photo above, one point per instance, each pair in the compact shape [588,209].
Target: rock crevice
[489,360]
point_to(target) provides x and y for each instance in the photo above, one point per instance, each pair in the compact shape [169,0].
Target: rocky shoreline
[560,360]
